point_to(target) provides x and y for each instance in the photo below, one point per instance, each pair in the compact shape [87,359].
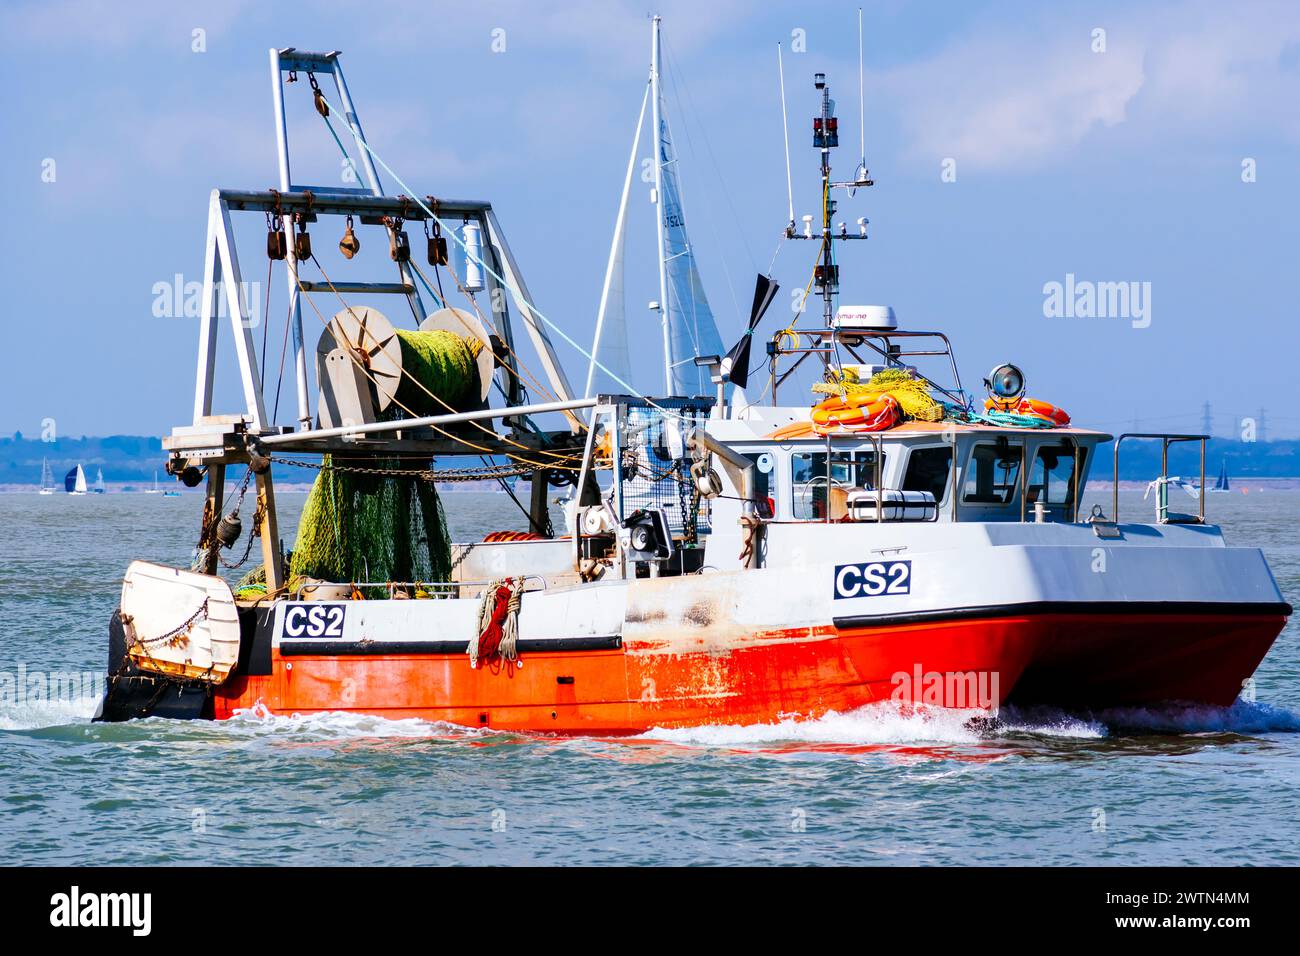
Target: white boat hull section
[802,599]
[593,611]
[156,600]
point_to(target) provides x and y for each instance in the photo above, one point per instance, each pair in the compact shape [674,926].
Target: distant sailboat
[74,482]
[47,478]
[1222,483]
[99,488]
[155,490]
[688,326]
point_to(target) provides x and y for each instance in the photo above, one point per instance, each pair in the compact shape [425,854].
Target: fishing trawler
[722,561]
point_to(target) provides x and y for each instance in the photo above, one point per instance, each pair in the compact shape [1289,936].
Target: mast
[826,274]
[826,135]
[659,198]
[615,266]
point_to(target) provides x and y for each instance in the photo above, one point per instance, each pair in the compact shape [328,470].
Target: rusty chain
[424,474]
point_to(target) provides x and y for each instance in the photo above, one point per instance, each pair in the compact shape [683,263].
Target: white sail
[689,327]
[687,321]
[609,353]
[1222,484]
[47,477]
[99,481]
[74,481]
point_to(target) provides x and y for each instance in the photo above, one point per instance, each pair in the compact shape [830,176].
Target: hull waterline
[1060,658]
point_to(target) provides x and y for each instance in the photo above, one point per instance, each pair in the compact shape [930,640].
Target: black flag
[735,367]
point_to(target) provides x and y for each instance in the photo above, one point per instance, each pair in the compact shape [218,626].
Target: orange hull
[631,690]
[1088,659]
[1112,660]
[1126,654]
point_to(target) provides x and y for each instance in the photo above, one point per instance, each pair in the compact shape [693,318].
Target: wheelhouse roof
[920,430]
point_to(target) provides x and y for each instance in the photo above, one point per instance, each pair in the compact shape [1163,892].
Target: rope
[911,393]
[449,228]
[1010,419]
[392,395]
[527,375]
[498,623]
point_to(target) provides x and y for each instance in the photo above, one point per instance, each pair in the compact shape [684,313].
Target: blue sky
[1117,166]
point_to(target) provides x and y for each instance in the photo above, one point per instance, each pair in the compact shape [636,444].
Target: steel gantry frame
[222,270]
[213,440]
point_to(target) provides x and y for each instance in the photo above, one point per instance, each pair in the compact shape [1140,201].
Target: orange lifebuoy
[497,537]
[867,413]
[1030,406]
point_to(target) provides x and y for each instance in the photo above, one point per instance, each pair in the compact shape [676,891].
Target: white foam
[883,723]
[1050,722]
[890,723]
[336,725]
[35,715]
[1242,717]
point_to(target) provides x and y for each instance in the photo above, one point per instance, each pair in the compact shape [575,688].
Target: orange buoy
[866,413]
[497,537]
[1030,406]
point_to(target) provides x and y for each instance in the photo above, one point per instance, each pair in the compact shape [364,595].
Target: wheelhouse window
[992,473]
[809,478]
[764,480]
[928,470]
[1051,479]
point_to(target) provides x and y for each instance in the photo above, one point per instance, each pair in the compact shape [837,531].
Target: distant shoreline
[139,488]
[1269,484]
[136,488]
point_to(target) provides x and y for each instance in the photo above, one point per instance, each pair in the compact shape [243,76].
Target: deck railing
[1165,441]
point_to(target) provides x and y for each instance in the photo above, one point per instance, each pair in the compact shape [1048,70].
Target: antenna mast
[785,128]
[862,110]
[826,136]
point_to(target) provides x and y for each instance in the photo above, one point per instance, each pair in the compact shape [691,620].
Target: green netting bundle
[440,361]
[371,527]
[376,527]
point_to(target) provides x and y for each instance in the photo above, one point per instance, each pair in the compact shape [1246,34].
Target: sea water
[1171,785]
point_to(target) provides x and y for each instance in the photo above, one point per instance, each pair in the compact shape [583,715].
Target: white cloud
[1026,96]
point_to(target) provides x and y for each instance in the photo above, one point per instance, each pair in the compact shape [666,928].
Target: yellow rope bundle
[912,393]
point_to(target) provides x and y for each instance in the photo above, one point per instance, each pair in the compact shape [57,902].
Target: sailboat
[155,490]
[47,478]
[74,482]
[687,323]
[99,488]
[1221,484]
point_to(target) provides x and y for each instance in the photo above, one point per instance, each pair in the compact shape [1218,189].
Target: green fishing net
[371,527]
